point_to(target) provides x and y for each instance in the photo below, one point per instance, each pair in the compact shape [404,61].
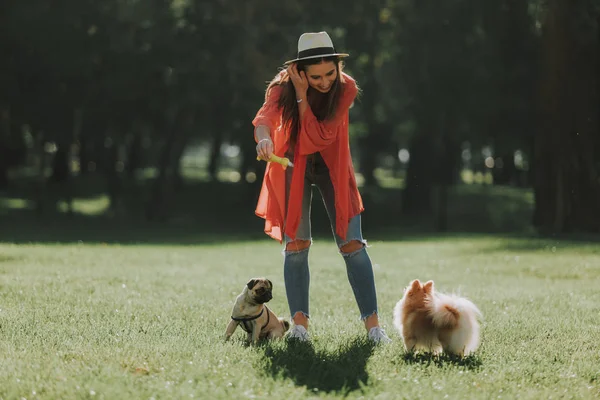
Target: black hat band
[317,51]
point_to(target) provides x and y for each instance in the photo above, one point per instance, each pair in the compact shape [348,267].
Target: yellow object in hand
[285,162]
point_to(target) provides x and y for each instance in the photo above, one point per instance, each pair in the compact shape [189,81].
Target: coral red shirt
[331,139]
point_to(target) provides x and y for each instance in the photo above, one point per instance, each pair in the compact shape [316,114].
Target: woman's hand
[299,80]
[264,149]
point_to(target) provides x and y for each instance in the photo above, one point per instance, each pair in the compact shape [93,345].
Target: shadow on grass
[219,213]
[22,227]
[470,362]
[342,370]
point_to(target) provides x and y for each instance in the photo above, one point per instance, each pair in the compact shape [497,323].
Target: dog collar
[244,319]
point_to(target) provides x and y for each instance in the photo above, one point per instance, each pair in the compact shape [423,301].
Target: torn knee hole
[352,246]
[297,245]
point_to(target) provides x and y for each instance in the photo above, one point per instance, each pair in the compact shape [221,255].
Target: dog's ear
[251,283]
[270,284]
[428,287]
[415,285]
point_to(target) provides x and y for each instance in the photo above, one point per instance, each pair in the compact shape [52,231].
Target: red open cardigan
[330,138]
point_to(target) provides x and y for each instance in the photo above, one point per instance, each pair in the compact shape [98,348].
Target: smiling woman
[305,118]
[321,76]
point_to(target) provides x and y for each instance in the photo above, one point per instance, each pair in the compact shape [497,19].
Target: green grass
[146,321]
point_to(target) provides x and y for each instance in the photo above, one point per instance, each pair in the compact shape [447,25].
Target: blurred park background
[131,120]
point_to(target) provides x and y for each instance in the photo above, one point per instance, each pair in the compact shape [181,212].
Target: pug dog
[251,312]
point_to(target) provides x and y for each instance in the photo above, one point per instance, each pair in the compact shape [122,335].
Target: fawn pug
[435,322]
[251,312]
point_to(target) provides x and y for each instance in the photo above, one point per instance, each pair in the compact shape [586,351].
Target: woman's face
[321,76]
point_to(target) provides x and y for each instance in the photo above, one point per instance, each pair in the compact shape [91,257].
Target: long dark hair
[323,105]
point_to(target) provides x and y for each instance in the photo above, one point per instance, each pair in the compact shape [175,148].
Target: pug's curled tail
[285,323]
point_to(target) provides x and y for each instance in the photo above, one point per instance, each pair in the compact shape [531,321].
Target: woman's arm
[268,115]
[300,82]
[264,147]
[262,132]
[265,122]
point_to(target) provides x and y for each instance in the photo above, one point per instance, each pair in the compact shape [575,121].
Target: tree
[441,44]
[567,183]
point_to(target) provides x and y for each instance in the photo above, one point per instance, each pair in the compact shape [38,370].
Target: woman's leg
[362,279]
[296,275]
[359,267]
[296,272]
[357,247]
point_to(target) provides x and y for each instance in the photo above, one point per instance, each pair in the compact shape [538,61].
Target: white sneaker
[377,335]
[299,333]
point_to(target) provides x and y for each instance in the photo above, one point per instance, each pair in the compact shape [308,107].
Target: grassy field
[108,321]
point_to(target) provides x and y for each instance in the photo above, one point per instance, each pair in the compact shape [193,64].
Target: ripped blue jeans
[358,263]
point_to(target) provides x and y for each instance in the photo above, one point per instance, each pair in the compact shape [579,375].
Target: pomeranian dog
[435,322]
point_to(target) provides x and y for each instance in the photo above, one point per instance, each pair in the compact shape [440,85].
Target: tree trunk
[157,208]
[370,145]
[178,181]
[40,180]
[179,149]
[366,36]
[445,158]
[61,176]
[5,150]
[567,186]
[441,212]
[416,196]
[248,150]
[368,157]
[215,154]
[134,155]
[249,162]
[114,185]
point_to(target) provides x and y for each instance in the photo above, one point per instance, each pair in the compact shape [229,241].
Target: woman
[305,118]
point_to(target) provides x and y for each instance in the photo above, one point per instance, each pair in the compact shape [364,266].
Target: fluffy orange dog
[436,322]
